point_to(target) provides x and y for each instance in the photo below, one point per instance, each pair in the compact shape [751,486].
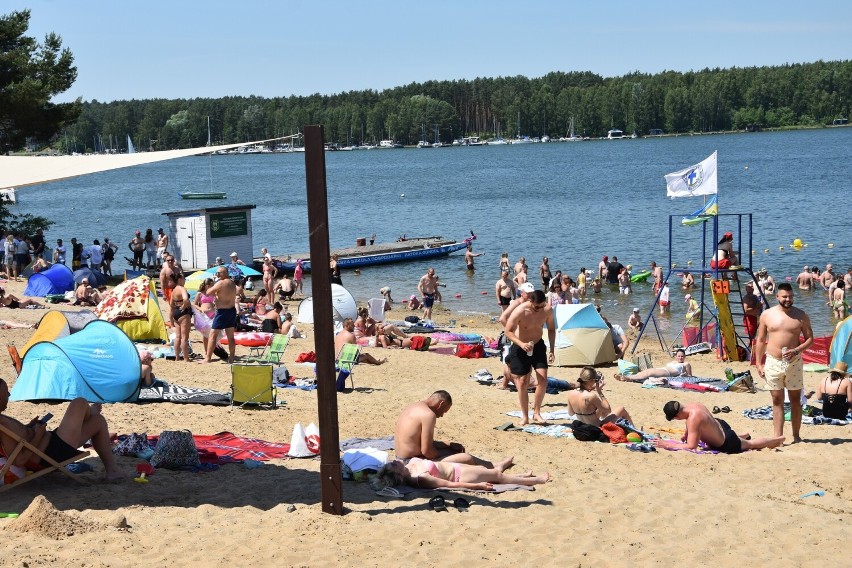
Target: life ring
[249,338]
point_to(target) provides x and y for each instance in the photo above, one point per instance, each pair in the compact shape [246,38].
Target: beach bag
[742,383]
[309,357]
[626,368]
[470,351]
[587,432]
[412,319]
[614,432]
[304,443]
[131,445]
[175,449]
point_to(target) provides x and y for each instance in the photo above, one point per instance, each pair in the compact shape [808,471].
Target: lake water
[572,202]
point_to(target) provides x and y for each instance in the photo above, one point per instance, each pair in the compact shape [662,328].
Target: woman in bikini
[269,274]
[13,302]
[388,335]
[204,302]
[835,392]
[180,315]
[588,402]
[428,474]
[676,368]
[838,300]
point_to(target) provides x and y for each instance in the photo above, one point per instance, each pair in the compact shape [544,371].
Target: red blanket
[224,448]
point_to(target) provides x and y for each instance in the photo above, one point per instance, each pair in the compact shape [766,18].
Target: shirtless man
[85,295]
[226,314]
[162,246]
[168,277]
[805,279]
[688,281]
[522,262]
[80,423]
[657,275]
[752,308]
[827,277]
[469,255]
[137,246]
[347,335]
[544,273]
[847,279]
[505,289]
[521,277]
[524,292]
[414,436]
[701,426]
[527,352]
[428,287]
[635,321]
[778,338]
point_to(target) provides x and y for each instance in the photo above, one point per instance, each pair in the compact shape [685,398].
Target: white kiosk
[198,236]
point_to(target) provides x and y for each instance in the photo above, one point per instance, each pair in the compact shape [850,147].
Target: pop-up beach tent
[582,336]
[133,307]
[841,345]
[51,327]
[99,363]
[342,306]
[57,279]
[94,277]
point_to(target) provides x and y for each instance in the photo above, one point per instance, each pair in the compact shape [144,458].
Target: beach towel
[701,449]
[403,491]
[294,383]
[562,414]
[461,338]
[364,458]
[163,392]
[700,384]
[765,413]
[129,300]
[385,443]
[225,447]
[553,431]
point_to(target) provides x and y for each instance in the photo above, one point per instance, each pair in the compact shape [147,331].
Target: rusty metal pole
[331,479]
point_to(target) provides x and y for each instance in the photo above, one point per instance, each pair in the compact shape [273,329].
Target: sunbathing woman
[388,335]
[835,392]
[588,402]
[13,302]
[427,474]
[676,368]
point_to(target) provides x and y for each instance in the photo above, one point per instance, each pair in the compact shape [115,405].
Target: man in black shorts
[701,426]
[528,352]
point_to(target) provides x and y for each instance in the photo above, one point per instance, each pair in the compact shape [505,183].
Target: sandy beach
[605,506]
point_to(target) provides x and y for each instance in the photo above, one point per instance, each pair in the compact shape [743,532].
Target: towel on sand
[765,413]
[555,415]
[225,447]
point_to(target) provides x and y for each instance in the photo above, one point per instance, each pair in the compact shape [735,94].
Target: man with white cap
[635,321]
[525,290]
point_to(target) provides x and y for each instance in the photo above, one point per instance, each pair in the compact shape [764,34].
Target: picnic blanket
[164,392]
[765,413]
[128,300]
[225,447]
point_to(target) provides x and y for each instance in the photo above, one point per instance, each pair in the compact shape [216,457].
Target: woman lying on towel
[588,403]
[427,474]
[13,302]
[388,335]
[676,368]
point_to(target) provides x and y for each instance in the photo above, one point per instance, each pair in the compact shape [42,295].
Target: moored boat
[203,195]
[403,250]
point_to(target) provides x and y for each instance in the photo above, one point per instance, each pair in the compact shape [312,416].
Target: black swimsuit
[835,405]
[58,449]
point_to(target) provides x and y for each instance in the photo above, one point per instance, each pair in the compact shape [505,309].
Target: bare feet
[205,361]
[619,377]
[114,476]
[796,439]
[504,464]
[537,419]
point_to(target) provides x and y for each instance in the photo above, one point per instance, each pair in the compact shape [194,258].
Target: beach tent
[57,279]
[99,363]
[133,307]
[78,320]
[841,345]
[94,277]
[582,336]
[51,327]
[342,306]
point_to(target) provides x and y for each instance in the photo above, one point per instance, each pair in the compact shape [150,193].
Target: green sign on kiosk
[232,224]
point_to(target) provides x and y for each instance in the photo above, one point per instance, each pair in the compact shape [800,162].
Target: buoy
[402,195]
[746,167]
[689,263]
[780,248]
[766,251]
[753,252]
[831,245]
[797,243]
[484,293]
[458,295]
[674,265]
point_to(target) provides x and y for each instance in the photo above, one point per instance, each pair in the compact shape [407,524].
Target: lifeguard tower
[718,290]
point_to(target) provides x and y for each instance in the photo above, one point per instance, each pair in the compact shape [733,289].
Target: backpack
[742,383]
[588,432]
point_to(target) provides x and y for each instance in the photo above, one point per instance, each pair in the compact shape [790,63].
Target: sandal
[717,410]
[438,504]
[461,504]
[726,409]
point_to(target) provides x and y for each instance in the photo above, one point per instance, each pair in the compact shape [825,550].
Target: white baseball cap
[527,287]
[233,254]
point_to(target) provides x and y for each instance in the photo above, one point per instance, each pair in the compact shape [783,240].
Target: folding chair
[347,359]
[54,465]
[258,350]
[377,308]
[252,384]
[274,351]
[643,361]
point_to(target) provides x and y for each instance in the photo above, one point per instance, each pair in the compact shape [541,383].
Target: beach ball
[634,437]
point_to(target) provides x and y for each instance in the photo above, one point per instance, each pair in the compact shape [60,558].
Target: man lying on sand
[80,423]
[415,434]
[701,426]
[427,474]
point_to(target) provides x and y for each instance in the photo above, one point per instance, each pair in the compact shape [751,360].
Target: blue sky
[213,48]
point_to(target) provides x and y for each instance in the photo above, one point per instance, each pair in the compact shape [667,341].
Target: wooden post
[331,478]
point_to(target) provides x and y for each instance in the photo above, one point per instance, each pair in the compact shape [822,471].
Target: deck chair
[274,351]
[54,465]
[377,308]
[345,363]
[258,350]
[252,385]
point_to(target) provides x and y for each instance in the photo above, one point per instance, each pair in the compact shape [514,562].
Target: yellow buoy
[797,243]
[674,265]
[689,263]
[831,245]
[754,252]
[780,248]
[766,251]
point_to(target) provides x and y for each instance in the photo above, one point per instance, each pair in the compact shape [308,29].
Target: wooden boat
[418,248]
[203,195]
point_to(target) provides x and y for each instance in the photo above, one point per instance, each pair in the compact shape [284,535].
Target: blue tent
[99,363]
[94,277]
[841,344]
[57,279]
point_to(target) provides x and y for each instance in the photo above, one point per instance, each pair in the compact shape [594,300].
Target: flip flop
[462,504]
[813,494]
[717,410]
[438,504]
[505,427]
[726,409]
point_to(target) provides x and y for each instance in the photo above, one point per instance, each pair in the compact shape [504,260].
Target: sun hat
[729,235]
[234,253]
[841,368]
[527,287]
[671,409]
[635,310]
[687,298]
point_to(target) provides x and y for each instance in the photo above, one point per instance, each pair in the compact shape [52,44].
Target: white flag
[699,179]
